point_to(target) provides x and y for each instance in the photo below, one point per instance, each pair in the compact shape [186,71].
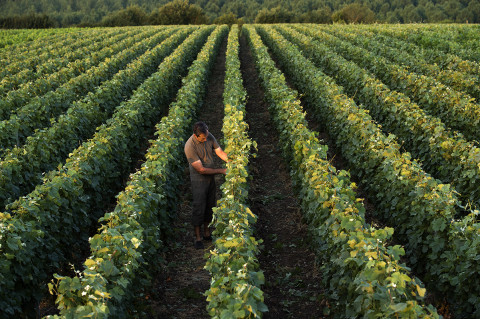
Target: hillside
[74,12]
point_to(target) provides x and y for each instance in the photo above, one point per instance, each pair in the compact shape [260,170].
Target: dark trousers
[203,190]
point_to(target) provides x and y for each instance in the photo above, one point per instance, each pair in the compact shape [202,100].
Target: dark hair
[200,128]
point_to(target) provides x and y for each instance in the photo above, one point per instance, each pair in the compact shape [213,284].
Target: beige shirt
[195,151]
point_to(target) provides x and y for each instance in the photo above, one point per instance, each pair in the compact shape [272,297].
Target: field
[351,189]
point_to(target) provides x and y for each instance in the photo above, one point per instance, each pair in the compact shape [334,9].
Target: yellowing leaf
[90,262]
[352,243]
[421,291]
[103,250]
[372,254]
[136,242]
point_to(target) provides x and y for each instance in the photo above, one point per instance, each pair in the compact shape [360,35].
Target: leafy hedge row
[446,155]
[18,95]
[465,35]
[22,167]
[236,279]
[44,71]
[10,39]
[447,61]
[444,251]
[455,109]
[131,235]
[41,109]
[363,275]
[15,91]
[51,224]
[28,56]
[457,80]
[443,39]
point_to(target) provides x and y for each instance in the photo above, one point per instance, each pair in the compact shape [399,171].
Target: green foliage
[25,58]
[178,12]
[13,37]
[40,84]
[460,40]
[354,13]
[61,211]
[275,15]
[415,59]
[443,153]
[23,167]
[29,21]
[90,13]
[54,65]
[362,273]
[421,208]
[456,108]
[323,15]
[132,15]
[236,279]
[131,235]
[364,276]
[39,111]
[229,19]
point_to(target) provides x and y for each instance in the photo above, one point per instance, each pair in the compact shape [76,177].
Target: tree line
[63,13]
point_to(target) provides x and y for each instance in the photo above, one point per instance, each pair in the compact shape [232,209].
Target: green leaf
[399,307]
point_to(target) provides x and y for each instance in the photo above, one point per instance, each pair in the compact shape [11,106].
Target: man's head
[200,129]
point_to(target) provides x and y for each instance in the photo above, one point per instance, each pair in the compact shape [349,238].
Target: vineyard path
[293,285]
[178,291]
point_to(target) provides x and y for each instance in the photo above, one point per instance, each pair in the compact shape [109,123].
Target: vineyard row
[76,112]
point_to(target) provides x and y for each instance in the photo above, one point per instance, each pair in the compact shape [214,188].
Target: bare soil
[292,282]
[179,291]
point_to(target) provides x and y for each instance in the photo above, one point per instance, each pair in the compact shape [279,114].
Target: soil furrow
[292,281]
[179,289]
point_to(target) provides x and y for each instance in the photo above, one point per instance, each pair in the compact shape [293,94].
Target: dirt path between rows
[178,292]
[292,282]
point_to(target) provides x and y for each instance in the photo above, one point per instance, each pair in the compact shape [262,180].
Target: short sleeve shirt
[195,151]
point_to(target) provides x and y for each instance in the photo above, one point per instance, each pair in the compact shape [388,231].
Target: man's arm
[220,153]
[207,171]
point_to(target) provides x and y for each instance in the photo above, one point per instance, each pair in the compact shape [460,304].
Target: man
[199,150]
